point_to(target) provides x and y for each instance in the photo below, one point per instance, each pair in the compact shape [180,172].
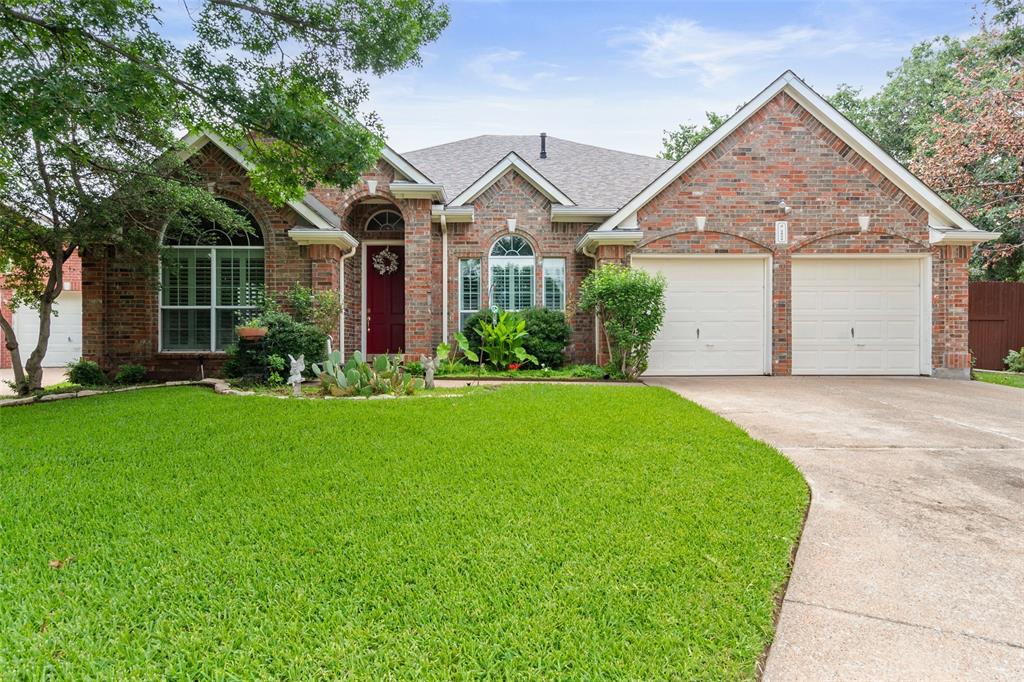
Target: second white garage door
[715,315]
[857,315]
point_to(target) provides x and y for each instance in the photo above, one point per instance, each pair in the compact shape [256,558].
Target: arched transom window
[511,266]
[387,220]
[210,282]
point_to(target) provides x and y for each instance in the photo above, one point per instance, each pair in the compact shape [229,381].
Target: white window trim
[544,282]
[479,284]
[213,307]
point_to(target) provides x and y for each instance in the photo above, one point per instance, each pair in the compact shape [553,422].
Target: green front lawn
[524,532]
[1015,380]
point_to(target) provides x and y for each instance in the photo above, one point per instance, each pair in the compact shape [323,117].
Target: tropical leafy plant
[631,306]
[503,341]
[449,357]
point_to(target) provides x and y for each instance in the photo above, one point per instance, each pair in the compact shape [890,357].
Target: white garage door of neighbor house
[65,330]
[715,316]
[857,315]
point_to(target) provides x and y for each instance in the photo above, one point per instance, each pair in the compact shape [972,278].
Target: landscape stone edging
[218,385]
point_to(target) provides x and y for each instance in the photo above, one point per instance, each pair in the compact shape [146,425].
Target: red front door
[385,298]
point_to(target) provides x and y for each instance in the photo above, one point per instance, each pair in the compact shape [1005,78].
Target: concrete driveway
[51,376]
[911,564]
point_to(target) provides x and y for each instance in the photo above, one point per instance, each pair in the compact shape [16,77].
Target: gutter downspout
[341,298]
[444,278]
[597,322]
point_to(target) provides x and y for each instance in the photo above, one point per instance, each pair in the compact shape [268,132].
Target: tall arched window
[511,266]
[210,281]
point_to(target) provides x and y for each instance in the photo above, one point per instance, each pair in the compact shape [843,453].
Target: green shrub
[286,336]
[321,309]
[358,378]
[631,306]
[1015,360]
[414,369]
[263,361]
[86,373]
[588,372]
[547,335]
[130,374]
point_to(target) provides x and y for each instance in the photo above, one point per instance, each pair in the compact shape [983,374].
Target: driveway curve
[911,565]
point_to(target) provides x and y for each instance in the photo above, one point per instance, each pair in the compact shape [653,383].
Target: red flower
[514,366]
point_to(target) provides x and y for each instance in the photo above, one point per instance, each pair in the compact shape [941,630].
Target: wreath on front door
[385,262]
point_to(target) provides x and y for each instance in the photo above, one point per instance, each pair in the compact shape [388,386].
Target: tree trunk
[34,366]
[32,377]
[12,345]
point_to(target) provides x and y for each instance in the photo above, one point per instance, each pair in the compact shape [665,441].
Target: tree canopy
[953,111]
[93,99]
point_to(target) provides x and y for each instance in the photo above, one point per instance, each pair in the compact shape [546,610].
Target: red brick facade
[781,153]
[72,282]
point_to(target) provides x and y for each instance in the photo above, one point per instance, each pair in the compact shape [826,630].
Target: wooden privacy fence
[995,321]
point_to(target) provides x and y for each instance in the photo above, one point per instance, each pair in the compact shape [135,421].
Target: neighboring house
[792,244]
[65,343]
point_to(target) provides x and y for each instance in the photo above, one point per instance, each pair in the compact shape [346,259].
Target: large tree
[954,112]
[93,98]
[677,143]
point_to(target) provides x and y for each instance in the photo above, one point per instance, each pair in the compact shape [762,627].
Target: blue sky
[616,74]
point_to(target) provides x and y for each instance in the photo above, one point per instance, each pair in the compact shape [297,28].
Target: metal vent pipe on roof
[543,145]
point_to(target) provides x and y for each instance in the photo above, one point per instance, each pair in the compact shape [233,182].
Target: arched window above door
[388,220]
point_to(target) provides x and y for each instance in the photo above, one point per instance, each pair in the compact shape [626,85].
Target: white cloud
[491,68]
[686,48]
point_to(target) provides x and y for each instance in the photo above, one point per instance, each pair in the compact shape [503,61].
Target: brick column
[421,308]
[94,284]
[782,314]
[326,276]
[951,357]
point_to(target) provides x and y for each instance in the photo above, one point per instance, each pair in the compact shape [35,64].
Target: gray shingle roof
[593,177]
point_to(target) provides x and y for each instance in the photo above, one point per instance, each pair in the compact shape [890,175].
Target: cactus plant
[356,377]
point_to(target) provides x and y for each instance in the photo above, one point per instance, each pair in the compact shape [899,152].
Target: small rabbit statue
[295,378]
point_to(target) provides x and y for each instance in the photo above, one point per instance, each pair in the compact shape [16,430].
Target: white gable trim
[398,162]
[938,209]
[195,142]
[512,161]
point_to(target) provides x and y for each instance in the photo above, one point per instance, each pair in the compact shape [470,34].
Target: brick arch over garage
[857,242]
[692,241]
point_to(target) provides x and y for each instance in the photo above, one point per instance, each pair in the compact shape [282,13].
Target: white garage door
[857,316]
[65,330]
[715,316]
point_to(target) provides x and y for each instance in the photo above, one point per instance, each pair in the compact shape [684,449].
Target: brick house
[792,244]
[65,327]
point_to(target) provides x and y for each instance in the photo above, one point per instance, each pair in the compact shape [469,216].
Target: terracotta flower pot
[251,333]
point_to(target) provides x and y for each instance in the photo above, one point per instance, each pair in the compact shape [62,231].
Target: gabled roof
[589,176]
[940,213]
[309,207]
[543,185]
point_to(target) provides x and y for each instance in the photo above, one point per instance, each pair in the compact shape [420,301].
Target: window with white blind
[469,289]
[511,273]
[210,282]
[554,283]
